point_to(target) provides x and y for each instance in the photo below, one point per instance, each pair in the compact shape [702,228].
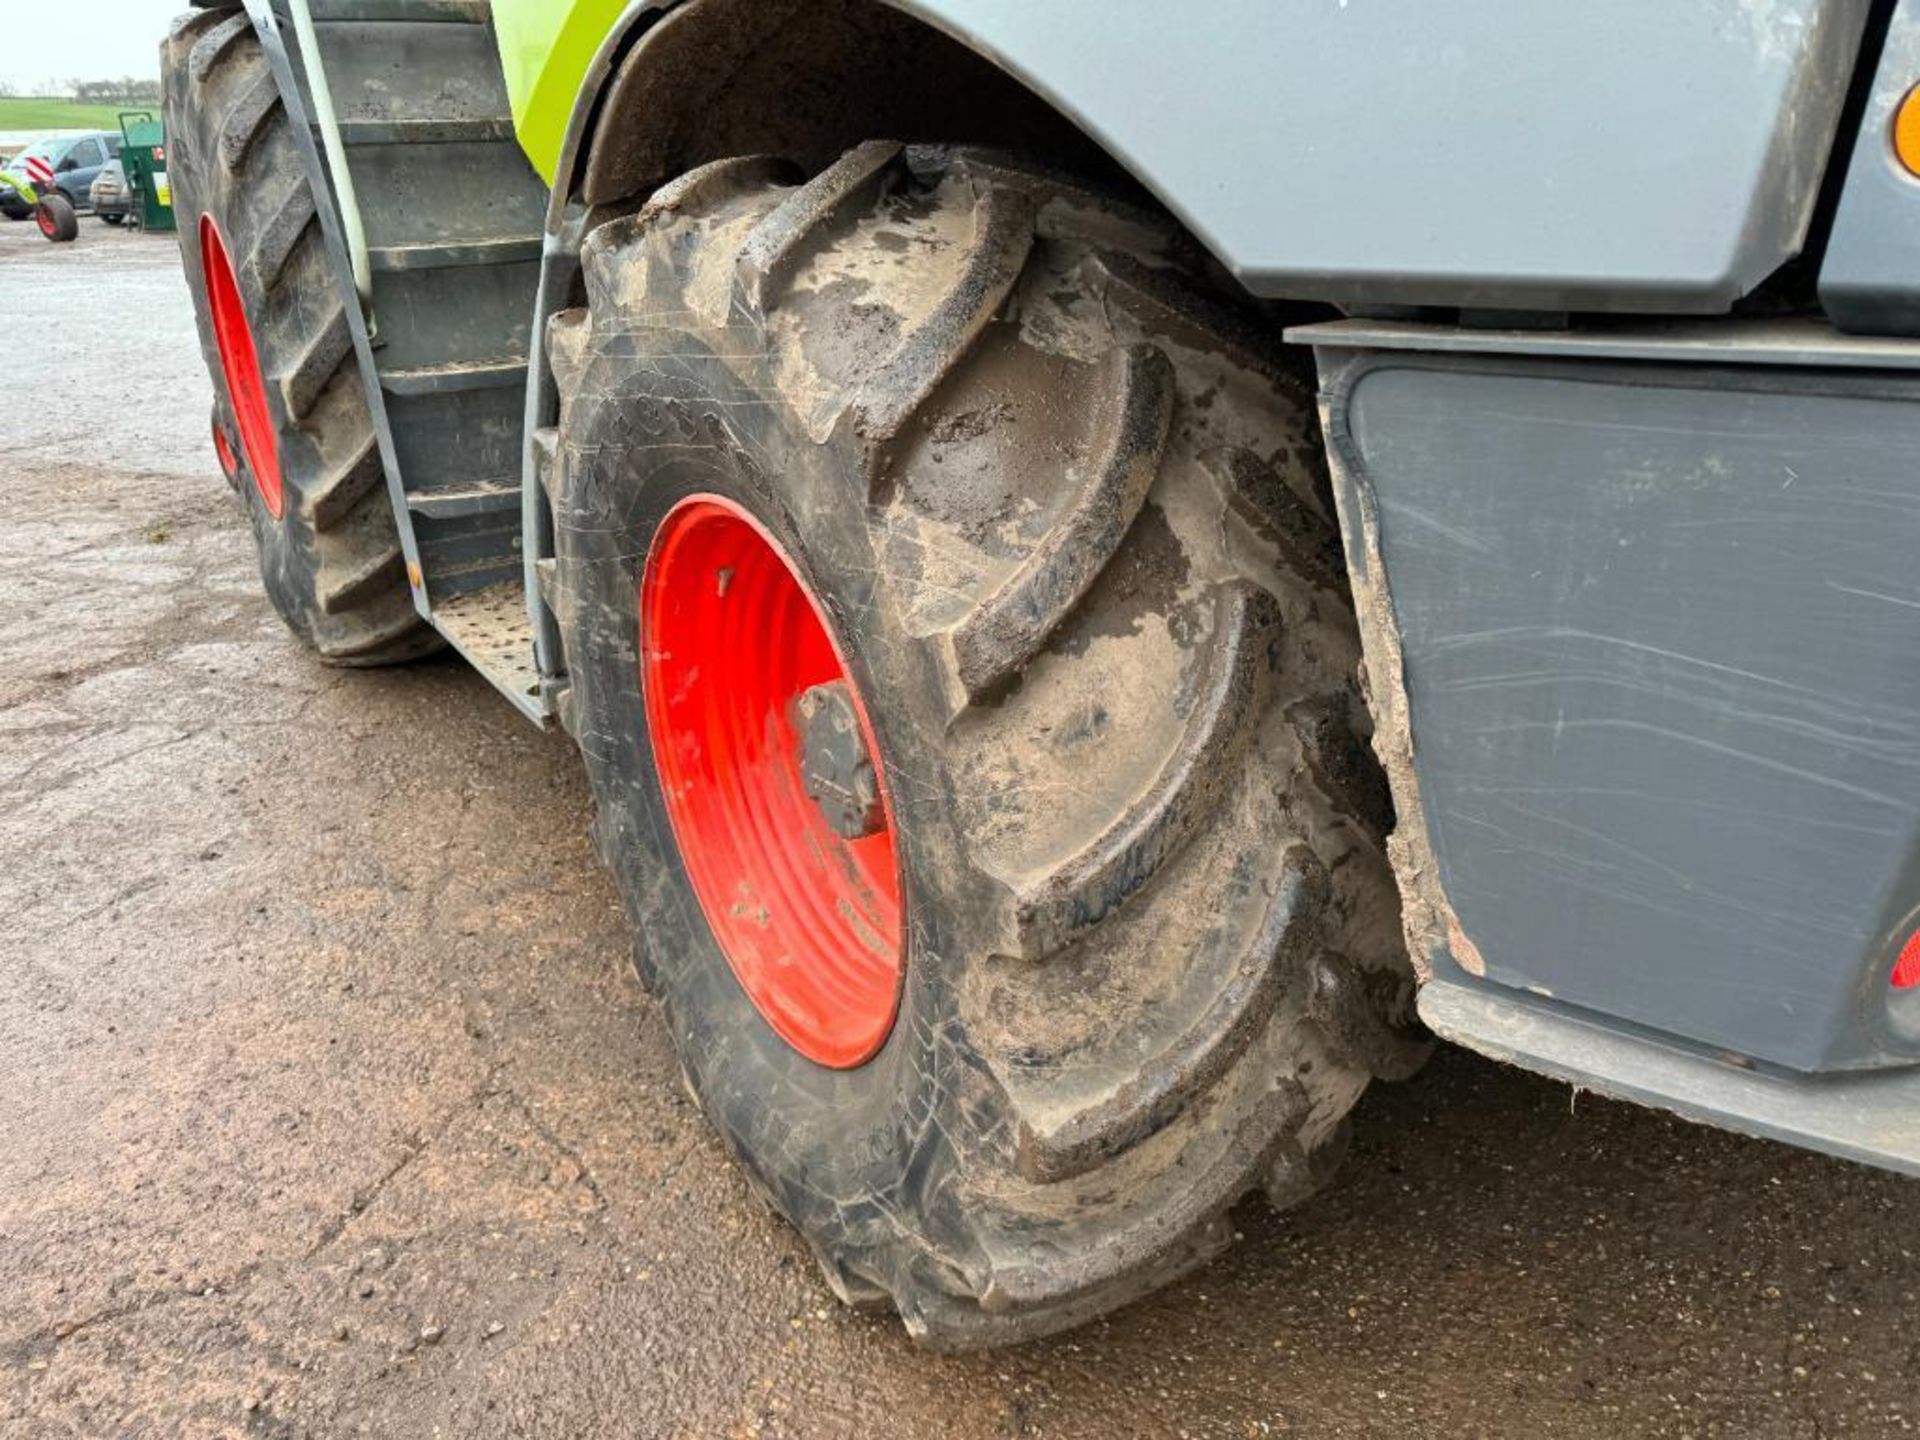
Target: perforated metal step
[491,629]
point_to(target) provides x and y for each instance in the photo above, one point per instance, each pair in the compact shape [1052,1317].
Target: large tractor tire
[273,329]
[966,673]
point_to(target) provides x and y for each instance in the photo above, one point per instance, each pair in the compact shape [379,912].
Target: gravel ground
[329,1105]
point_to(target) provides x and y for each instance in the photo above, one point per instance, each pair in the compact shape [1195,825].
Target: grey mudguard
[1871,1116]
[1640,634]
[1650,155]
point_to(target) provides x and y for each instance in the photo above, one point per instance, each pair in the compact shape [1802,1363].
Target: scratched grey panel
[1662,630]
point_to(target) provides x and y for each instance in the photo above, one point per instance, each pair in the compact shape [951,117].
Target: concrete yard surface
[330,1106]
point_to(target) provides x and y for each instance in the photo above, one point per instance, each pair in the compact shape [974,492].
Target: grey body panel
[1870,276]
[1637,155]
[1656,625]
[1872,1116]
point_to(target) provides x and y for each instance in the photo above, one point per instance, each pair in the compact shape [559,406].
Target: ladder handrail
[335,151]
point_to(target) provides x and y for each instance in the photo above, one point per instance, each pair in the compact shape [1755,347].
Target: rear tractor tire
[964,666]
[273,329]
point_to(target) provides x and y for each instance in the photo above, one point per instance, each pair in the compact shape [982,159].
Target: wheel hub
[834,765]
[766,762]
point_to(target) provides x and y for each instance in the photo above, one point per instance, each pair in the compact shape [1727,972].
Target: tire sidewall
[850,1144]
[287,544]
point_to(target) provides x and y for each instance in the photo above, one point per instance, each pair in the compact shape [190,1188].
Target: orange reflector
[1906,131]
[1906,970]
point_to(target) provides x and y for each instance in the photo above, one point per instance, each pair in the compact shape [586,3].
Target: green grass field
[27,113]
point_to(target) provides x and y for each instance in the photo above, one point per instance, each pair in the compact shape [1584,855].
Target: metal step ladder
[452,215]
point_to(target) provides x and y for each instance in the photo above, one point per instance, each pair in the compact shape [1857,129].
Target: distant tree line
[127,90]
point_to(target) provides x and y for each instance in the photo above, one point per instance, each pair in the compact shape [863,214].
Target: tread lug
[1003,236]
[247,120]
[1073,1143]
[1008,626]
[781,240]
[1117,864]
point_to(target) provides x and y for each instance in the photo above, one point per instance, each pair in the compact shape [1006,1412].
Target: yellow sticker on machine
[162,191]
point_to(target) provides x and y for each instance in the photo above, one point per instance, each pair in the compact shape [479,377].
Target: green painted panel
[546,47]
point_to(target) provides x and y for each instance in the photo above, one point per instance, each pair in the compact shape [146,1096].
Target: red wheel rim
[222,447]
[810,922]
[240,365]
[43,217]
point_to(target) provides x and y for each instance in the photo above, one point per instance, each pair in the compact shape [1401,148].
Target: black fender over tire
[332,562]
[1066,513]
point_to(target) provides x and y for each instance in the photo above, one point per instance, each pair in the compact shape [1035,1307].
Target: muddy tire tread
[279,239]
[247,119]
[1003,238]
[333,566]
[1123,860]
[1246,1093]
[222,33]
[779,242]
[1205,1048]
[1010,624]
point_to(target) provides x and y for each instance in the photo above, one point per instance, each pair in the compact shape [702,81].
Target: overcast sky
[53,41]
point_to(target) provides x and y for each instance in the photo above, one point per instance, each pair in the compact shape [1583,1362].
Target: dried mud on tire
[1067,515]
